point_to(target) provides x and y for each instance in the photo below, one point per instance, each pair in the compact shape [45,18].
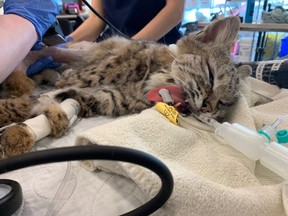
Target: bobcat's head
[204,70]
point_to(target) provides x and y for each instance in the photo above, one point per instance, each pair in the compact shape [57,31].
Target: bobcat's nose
[210,104]
[206,107]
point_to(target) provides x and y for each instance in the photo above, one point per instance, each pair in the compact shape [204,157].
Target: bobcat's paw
[16,140]
[57,118]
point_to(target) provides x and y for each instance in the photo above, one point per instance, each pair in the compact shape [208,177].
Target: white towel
[210,177]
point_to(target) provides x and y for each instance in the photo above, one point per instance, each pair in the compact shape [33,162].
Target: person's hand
[41,13]
[46,62]
[68,40]
[41,64]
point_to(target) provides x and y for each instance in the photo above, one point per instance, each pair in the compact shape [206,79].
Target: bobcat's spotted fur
[113,77]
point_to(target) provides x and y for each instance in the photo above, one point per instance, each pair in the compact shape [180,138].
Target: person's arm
[17,37]
[163,22]
[23,24]
[92,26]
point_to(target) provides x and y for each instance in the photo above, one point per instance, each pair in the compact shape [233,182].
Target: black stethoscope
[13,200]
[105,20]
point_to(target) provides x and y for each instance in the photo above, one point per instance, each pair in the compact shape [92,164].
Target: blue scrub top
[130,16]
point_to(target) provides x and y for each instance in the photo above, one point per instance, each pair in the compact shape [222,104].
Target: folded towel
[210,177]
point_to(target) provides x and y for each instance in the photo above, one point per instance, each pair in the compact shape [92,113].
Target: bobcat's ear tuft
[222,31]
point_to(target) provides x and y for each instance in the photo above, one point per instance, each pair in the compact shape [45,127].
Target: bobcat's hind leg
[16,140]
[86,102]
[57,119]
[20,138]
[101,101]
[15,110]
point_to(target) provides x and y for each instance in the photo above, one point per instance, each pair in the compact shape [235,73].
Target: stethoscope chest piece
[12,198]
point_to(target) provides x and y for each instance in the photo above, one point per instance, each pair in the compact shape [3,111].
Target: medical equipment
[39,126]
[53,37]
[90,152]
[13,199]
[255,145]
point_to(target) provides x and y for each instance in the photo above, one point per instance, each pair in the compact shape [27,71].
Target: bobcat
[113,78]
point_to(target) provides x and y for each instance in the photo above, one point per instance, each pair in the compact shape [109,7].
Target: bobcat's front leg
[15,110]
[20,138]
[57,119]
[16,140]
[105,101]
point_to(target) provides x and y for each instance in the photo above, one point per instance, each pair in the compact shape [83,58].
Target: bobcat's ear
[223,31]
[244,71]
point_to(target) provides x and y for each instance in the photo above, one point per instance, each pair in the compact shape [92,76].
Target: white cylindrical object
[243,139]
[71,107]
[257,147]
[275,157]
[40,127]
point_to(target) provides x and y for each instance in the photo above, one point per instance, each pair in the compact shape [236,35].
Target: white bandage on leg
[39,126]
[71,107]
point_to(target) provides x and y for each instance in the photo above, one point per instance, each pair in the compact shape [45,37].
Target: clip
[168,111]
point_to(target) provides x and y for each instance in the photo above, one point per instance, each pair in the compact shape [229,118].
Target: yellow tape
[168,111]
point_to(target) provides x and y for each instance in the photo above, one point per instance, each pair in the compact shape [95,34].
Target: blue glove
[68,39]
[46,62]
[41,13]
[41,64]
